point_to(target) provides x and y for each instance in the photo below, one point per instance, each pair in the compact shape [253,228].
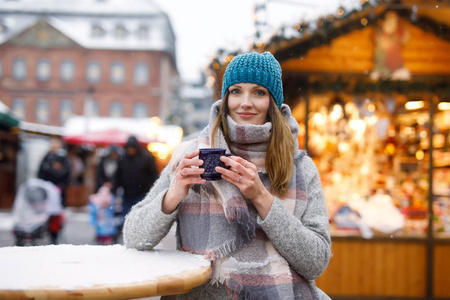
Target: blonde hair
[280,153]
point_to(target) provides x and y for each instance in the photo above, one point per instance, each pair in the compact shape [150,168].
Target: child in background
[102,209]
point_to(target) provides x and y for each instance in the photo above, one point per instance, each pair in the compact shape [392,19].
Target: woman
[265,225]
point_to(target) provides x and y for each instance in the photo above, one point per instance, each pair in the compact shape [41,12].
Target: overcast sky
[203,26]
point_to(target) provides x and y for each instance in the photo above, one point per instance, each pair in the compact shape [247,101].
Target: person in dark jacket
[55,167]
[136,174]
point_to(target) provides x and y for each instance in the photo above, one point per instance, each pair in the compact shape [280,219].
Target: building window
[65,110]
[3,28]
[97,31]
[93,72]
[92,108]
[143,32]
[19,69]
[18,108]
[67,71]
[42,113]
[141,71]
[117,72]
[43,70]
[116,109]
[120,32]
[140,110]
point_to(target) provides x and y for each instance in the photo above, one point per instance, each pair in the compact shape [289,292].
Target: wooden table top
[176,283]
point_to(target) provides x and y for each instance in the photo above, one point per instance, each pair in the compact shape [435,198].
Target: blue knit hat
[262,69]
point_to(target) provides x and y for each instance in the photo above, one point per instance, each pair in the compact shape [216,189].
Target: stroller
[36,201]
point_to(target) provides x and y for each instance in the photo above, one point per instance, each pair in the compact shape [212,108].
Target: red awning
[105,138]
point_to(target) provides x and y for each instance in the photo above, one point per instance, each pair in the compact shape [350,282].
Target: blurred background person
[107,167]
[106,178]
[76,165]
[55,167]
[102,211]
[136,174]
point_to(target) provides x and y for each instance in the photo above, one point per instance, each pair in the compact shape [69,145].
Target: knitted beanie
[262,69]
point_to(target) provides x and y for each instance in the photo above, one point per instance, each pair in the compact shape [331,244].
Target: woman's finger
[188,172]
[189,160]
[237,163]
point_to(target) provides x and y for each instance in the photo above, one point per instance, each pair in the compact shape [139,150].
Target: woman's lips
[246,115]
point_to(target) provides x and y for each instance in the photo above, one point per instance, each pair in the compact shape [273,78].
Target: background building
[100,58]
[61,59]
[193,104]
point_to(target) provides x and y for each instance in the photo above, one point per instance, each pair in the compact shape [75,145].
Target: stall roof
[335,52]
[150,128]
[40,129]
[328,28]
[6,119]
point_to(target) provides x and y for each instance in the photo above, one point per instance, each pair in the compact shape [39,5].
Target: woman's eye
[260,93]
[234,91]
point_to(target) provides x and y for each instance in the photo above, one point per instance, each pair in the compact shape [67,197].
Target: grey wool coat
[303,240]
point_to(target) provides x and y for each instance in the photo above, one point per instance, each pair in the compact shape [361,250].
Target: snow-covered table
[97,272]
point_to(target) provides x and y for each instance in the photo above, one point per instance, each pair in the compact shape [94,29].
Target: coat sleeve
[146,225]
[303,240]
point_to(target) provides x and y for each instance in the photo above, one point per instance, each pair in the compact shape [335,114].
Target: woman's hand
[185,177]
[244,175]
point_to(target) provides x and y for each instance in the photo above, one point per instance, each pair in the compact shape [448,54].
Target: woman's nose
[246,100]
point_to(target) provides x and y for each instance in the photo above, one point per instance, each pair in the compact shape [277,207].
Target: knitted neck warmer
[250,141]
[216,221]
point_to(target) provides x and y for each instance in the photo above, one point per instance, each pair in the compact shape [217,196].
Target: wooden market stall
[370,89]
[9,145]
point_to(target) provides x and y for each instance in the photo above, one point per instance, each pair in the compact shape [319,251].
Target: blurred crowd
[122,177]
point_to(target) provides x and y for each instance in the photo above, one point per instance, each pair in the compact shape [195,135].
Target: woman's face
[248,103]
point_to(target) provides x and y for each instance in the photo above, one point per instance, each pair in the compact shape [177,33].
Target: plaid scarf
[216,221]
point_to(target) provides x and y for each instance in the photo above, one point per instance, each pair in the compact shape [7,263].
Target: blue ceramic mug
[211,160]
